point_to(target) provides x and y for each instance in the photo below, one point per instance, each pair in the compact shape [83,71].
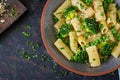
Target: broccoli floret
[70,13]
[65,29]
[80,57]
[55,19]
[64,32]
[88,2]
[65,40]
[106,4]
[91,25]
[104,59]
[106,48]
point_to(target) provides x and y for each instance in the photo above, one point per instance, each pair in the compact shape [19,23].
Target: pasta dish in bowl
[83,36]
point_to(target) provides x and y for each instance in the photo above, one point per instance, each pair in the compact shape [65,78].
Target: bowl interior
[49,37]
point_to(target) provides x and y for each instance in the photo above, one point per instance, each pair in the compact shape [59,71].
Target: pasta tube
[104,28]
[116,51]
[99,11]
[78,3]
[109,33]
[117,27]
[77,26]
[73,41]
[58,25]
[81,41]
[111,15]
[94,58]
[59,12]
[89,13]
[63,49]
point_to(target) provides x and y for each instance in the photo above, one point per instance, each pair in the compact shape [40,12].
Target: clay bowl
[48,37]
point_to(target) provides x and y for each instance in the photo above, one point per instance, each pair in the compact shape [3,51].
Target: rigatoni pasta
[99,11]
[93,54]
[73,41]
[59,12]
[81,41]
[111,37]
[116,51]
[78,3]
[111,15]
[58,25]
[63,49]
[104,28]
[117,27]
[88,32]
[88,13]
[77,26]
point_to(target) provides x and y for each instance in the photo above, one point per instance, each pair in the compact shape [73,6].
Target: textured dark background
[12,43]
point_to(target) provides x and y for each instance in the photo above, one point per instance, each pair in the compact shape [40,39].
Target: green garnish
[26,34]
[13,12]
[82,6]
[28,26]
[101,26]
[25,55]
[88,2]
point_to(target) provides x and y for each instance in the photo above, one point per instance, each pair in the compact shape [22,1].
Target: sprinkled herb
[78,31]
[17,29]
[29,43]
[17,51]
[94,59]
[110,19]
[33,48]
[25,55]
[26,34]
[101,26]
[43,57]
[102,14]
[28,26]
[112,73]
[88,2]
[87,35]
[63,73]
[62,48]
[103,60]
[82,6]
[13,12]
[34,56]
[55,65]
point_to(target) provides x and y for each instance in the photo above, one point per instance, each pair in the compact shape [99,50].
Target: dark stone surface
[12,43]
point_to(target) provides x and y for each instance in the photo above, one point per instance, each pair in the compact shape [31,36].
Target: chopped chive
[13,12]
[28,26]
[82,6]
[25,55]
[26,34]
